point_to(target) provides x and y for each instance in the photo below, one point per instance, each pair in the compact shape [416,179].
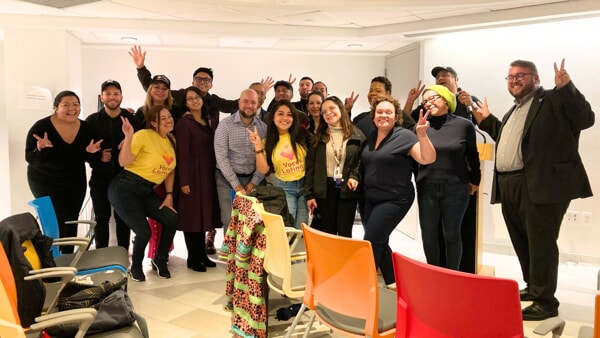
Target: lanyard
[337,154]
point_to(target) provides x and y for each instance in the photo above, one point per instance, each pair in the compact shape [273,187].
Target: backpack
[274,201]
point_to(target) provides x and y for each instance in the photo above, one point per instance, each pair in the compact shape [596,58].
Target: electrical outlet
[572,217]
[586,218]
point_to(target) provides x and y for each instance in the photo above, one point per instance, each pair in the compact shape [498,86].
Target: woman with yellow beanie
[443,187]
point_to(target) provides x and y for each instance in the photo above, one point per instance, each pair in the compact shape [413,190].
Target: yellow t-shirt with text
[154,156]
[287,165]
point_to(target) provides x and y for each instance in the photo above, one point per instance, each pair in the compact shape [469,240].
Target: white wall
[482,60]
[234,70]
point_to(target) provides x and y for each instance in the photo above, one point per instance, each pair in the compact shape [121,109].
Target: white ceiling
[307,25]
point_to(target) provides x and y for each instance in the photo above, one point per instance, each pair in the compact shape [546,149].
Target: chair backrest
[278,257]
[277,254]
[437,302]
[45,211]
[8,291]
[341,277]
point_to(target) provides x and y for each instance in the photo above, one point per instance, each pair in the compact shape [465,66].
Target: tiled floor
[190,304]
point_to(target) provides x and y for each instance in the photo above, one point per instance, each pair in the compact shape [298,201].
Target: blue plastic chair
[87,262]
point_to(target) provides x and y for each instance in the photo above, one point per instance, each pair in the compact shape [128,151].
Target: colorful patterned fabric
[244,247]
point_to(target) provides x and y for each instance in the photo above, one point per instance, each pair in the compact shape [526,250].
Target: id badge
[337,177]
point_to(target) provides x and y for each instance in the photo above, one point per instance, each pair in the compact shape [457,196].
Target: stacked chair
[100,264]
[25,262]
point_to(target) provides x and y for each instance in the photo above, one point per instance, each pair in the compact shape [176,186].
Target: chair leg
[296,320]
[309,325]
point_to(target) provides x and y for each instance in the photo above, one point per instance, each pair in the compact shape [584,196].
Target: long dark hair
[323,129]
[298,135]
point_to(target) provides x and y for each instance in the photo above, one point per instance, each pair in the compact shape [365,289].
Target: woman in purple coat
[198,205]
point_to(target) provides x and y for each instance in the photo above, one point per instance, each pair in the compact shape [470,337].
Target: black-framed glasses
[430,99]
[199,79]
[517,77]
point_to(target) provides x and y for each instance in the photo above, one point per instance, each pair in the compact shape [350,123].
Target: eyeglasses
[430,99]
[202,79]
[195,98]
[517,77]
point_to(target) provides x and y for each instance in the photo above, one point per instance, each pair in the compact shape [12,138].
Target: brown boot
[210,242]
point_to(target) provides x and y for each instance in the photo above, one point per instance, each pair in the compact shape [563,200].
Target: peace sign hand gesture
[93,147]
[43,142]
[561,77]
[422,124]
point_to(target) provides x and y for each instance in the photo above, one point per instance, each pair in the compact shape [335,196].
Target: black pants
[337,214]
[135,200]
[102,210]
[533,230]
[67,198]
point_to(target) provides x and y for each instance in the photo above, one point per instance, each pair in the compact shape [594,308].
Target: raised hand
[93,147]
[414,93]
[43,142]
[138,56]
[254,138]
[561,77]
[267,82]
[349,101]
[422,124]
[291,80]
[483,111]
[127,128]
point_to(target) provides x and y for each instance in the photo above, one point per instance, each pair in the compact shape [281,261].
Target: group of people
[326,163]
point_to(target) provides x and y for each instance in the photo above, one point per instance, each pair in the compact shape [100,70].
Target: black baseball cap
[110,83]
[438,69]
[162,79]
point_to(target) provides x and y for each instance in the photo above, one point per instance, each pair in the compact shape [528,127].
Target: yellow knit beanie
[446,94]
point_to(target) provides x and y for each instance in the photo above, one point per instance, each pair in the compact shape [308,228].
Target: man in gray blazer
[538,172]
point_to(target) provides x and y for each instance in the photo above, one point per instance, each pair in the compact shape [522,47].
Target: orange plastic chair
[436,302]
[342,287]
[588,331]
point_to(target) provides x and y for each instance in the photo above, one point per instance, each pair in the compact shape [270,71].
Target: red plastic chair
[435,302]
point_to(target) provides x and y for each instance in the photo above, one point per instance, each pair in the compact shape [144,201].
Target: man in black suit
[538,172]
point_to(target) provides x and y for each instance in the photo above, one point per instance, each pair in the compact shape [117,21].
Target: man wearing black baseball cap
[105,164]
[448,77]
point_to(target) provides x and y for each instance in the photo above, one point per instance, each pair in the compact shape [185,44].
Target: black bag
[110,300]
[274,201]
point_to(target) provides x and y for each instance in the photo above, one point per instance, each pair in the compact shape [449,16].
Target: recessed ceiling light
[128,39]
[354,45]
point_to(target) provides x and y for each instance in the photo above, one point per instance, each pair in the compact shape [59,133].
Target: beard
[249,114]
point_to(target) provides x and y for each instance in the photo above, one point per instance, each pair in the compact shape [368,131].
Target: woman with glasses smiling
[332,169]
[197,202]
[443,187]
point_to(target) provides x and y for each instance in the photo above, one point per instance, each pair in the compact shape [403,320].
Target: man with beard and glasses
[105,165]
[236,159]
[538,171]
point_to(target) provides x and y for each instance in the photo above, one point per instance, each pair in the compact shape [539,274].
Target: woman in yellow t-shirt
[284,154]
[148,157]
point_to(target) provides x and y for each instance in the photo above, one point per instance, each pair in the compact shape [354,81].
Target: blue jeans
[224,192]
[134,199]
[295,199]
[446,202]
